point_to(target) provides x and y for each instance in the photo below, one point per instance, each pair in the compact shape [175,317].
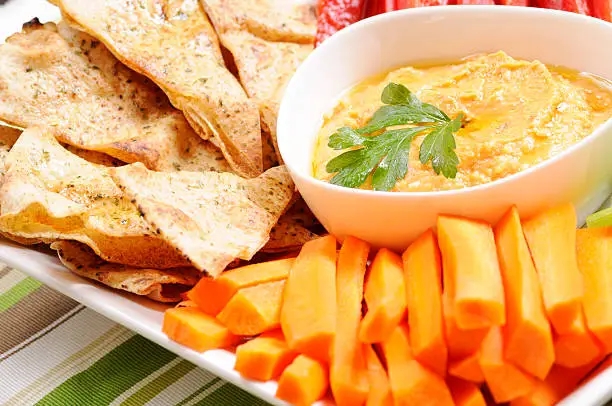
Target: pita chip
[67,81]
[173,43]
[211,218]
[51,194]
[162,285]
[266,57]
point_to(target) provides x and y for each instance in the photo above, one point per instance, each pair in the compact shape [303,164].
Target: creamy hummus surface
[518,113]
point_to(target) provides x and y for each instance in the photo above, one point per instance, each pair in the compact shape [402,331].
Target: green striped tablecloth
[54,351]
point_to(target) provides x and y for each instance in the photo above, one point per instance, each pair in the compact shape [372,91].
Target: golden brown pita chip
[49,193]
[287,235]
[271,20]
[162,285]
[212,218]
[173,43]
[63,79]
[264,66]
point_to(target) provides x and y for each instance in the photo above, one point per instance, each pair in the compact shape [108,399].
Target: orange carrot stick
[303,382]
[412,383]
[465,393]
[551,237]
[469,254]
[263,358]
[527,334]
[577,347]
[212,295]
[254,310]
[461,343]
[559,383]
[380,390]
[195,329]
[308,314]
[385,296]
[595,262]
[468,368]
[348,373]
[423,274]
[505,381]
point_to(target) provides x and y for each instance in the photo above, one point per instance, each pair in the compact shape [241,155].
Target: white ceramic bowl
[582,173]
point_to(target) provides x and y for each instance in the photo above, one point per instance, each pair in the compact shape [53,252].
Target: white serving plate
[145,316]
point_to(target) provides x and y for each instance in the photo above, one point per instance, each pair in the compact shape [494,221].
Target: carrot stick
[385,296]
[212,295]
[577,347]
[412,383]
[595,262]
[303,382]
[551,237]
[308,314]
[559,383]
[423,274]
[380,390]
[468,368]
[527,334]
[263,358]
[195,329]
[461,343]
[254,310]
[505,381]
[465,393]
[348,373]
[469,254]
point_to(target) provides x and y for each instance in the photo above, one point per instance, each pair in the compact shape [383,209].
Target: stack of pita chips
[136,153]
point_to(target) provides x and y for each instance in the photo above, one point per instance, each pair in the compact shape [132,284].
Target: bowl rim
[529,12]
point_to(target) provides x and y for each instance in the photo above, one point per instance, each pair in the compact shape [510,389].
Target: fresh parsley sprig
[384,156]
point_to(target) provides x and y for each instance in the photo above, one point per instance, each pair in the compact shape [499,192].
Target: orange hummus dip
[518,114]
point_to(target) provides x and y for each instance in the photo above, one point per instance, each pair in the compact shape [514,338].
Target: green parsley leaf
[384,156]
[439,148]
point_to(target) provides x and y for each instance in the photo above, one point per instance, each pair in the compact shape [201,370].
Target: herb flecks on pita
[211,218]
[173,43]
[50,194]
[267,43]
[67,81]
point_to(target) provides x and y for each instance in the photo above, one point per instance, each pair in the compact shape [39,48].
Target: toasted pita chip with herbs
[267,41]
[173,43]
[270,20]
[287,235]
[63,79]
[211,218]
[50,194]
[162,285]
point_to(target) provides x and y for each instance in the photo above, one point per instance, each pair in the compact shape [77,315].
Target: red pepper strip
[523,3]
[551,4]
[576,6]
[402,4]
[389,5]
[373,8]
[476,2]
[601,9]
[334,15]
